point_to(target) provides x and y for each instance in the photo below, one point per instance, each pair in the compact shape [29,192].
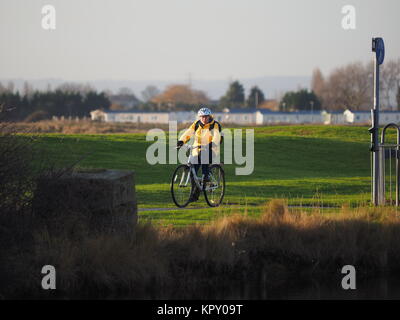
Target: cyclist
[207,136]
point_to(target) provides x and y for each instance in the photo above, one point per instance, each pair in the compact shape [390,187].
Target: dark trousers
[205,163]
[204,169]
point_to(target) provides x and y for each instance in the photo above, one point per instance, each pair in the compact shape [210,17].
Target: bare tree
[398,98]
[349,87]
[318,85]
[317,82]
[389,80]
[2,88]
[28,89]
[180,94]
[10,86]
[398,72]
[150,92]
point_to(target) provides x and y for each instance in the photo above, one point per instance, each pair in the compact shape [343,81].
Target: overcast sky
[210,39]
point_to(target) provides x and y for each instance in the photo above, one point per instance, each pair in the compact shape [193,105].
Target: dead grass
[86,127]
[274,248]
[95,127]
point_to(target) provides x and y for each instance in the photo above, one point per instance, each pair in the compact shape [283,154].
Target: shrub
[37,116]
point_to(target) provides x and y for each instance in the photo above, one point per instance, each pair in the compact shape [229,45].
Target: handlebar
[188,147]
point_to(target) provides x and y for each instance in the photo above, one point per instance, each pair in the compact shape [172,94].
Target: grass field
[307,165]
[322,172]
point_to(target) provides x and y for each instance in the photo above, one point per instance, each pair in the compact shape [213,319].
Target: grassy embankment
[276,251]
[308,165]
[273,246]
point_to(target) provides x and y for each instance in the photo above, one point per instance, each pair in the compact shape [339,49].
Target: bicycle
[185,181]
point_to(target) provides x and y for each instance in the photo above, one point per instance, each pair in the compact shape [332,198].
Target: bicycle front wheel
[181,186]
[214,190]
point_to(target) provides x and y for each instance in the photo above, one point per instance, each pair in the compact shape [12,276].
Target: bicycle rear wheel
[214,190]
[181,186]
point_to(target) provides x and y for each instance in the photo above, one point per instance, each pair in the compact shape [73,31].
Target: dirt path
[224,206]
[176,208]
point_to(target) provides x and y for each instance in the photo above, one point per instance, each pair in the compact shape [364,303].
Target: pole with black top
[379,48]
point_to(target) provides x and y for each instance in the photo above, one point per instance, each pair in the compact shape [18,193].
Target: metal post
[397,174]
[381,176]
[378,48]
[390,147]
[390,176]
[397,153]
[375,138]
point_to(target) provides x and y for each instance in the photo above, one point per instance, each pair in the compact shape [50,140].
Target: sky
[181,39]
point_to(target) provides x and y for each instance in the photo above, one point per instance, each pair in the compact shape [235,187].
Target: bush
[15,169]
[37,116]
[276,209]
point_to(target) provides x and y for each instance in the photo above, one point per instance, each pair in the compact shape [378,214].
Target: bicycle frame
[185,176]
[198,181]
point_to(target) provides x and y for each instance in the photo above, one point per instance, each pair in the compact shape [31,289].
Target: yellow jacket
[203,135]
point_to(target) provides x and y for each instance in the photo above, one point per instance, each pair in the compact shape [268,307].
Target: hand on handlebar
[180,145]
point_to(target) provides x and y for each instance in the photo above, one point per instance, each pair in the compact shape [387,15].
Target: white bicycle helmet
[204,112]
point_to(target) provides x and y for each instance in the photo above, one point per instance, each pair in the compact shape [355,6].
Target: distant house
[127,101]
[248,117]
[143,116]
[265,116]
[333,117]
[98,115]
[130,116]
[237,116]
[183,116]
[359,117]
[386,117]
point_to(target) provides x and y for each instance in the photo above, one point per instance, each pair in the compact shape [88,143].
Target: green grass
[308,165]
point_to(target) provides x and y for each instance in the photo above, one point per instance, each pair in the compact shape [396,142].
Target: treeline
[183,97]
[346,87]
[351,86]
[30,105]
